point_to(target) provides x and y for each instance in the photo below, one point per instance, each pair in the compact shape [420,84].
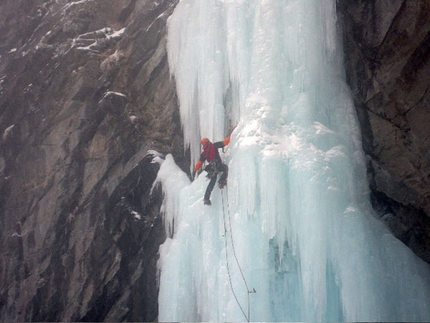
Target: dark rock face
[387,55]
[85,92]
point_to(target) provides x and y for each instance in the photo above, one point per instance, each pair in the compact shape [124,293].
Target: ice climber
[215,165]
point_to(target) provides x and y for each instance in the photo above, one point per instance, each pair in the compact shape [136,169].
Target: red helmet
[204,141]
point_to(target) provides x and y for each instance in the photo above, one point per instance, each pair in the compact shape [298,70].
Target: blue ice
[294,224]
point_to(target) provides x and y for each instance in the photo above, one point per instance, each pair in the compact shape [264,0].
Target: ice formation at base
[294,224]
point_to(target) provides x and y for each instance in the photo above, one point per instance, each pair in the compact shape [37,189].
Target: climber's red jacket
[210,152]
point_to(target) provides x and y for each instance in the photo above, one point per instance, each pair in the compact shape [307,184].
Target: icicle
[302,224]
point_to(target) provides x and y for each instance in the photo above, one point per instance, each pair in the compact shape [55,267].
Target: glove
[196,173]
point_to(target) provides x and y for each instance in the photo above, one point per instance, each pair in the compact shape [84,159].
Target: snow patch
[7,132]
[136,215]
[109,93]
[95,40]
[158,157]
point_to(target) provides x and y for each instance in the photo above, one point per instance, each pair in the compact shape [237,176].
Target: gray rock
[387,59]
[85,93]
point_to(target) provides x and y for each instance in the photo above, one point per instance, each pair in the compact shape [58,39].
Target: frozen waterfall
[296,210]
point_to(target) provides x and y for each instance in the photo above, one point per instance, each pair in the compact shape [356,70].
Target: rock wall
[85,95]
[85,92]
[387,58]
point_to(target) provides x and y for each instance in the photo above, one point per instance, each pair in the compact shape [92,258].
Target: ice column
[296,209]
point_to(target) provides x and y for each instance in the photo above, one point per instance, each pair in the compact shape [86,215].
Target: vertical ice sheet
[297,199]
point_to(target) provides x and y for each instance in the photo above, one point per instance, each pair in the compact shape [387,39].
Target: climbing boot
[222,184]
[207,202]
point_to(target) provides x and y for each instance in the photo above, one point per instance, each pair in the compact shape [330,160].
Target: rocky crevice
[387,60]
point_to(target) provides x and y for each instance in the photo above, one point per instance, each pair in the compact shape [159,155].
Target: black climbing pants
[221,168]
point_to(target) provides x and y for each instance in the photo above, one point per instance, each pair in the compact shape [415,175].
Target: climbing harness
[211,169]
[247,316]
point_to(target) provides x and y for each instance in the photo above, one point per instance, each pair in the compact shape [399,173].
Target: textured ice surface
[297,199]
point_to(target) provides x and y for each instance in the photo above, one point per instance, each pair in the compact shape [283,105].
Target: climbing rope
[247,317]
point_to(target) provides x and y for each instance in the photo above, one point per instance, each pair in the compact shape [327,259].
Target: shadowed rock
[85,93]
[387,58]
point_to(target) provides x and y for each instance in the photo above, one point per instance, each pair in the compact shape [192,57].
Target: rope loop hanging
[247,316]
